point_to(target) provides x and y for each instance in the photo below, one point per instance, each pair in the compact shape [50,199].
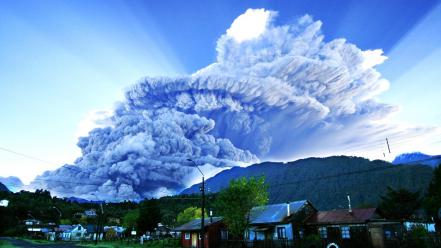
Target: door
[194,240]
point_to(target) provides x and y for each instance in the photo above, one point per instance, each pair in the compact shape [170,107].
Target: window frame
[224,234]
[323,232]
[281,230]
[187,236]
[345,232]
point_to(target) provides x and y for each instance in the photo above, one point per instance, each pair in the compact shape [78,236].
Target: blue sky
[61,60]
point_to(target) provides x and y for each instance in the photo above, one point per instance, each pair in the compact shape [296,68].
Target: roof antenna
[349,203]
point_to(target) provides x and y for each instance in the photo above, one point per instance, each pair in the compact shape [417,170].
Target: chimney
[287,209]
[349,204]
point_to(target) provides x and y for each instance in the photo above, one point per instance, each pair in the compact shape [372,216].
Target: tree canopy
[189,214]
[130,219]
[432,202]
[236,201]
[399,204]
[149,215]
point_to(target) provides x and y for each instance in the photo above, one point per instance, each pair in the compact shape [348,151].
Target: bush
[417,237]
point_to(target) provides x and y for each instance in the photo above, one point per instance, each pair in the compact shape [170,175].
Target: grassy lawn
[37,241]
[118,244]
[6,244]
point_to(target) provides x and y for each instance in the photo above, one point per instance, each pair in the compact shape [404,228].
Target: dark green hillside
[3,187]
[325,181]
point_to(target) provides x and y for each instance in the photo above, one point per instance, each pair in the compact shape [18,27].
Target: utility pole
[388,147]
[203,213]
[203,205]
[97,227]
[99,216]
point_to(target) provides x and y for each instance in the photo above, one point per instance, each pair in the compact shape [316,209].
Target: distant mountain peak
[417,158]
[81,200]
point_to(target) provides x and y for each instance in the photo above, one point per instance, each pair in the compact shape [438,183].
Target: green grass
[115,244]
[6,244]
[118,244]
[37,241]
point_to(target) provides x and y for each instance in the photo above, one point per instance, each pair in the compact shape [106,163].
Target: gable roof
[342,216]
[196,224]
[275,213]
[62,228]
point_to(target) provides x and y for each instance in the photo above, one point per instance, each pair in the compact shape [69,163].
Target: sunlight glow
[250,25]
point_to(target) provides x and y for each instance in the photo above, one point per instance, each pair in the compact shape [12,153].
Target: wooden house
[214,231]
[358,227]
[279,221]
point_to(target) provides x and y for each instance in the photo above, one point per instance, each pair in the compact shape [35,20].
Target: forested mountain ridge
[326,181]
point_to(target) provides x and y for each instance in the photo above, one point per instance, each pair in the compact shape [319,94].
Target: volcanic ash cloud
[275,92]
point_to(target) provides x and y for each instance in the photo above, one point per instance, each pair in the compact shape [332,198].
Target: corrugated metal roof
[358,215]
[196,224]
[274,213]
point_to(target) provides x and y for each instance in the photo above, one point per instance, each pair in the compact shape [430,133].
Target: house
[114,220]
[117,231]
[76,232]
[162,231]
[32,222]
[358,227]
[214,231]
[62,228]
[279,221]
[91,213]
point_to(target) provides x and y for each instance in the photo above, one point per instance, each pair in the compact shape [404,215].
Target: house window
[323,232]
[224,235]
[345,233]
[281,232]
[187,236]
[301,233]
[388,234]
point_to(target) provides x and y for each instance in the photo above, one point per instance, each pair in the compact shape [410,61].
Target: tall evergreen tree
[399,204]
[149,215]
[432,202]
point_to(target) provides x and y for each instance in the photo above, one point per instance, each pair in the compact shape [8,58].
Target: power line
[69,167]
[25,155]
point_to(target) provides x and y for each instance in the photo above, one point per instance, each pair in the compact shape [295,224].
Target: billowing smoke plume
[275,92]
